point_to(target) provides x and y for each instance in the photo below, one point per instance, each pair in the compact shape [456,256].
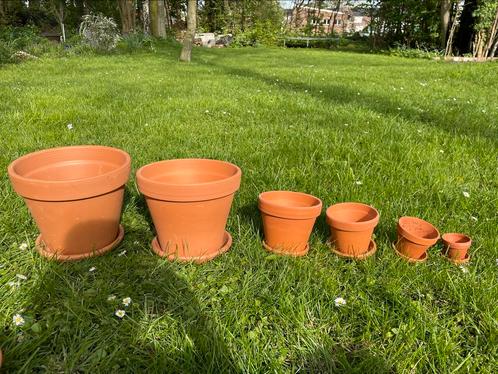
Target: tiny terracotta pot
[288,219]
[415,237]
[189,201]
[351,229]
[456,246]
[75,195]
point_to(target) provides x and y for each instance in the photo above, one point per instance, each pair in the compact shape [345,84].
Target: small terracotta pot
[456,246]
[351,228]
[415,237]
[189,201]
[288,219]
[75,195]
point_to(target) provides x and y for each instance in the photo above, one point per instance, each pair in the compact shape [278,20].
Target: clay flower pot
[189,201]
[75,196]
[415,237]
[288,219]
[351,229]
[456,246]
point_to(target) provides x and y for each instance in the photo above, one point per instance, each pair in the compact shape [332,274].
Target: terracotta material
[456,246]
[189,201]
[75,195]
[288,219]
[423,258]
[372,248]
[351,228]
[415,237]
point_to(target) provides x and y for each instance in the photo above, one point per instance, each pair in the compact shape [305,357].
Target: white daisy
[111,297]
[70,126]
[13,284]
[18,320]
[122,253]
[441,151]
[92,269]
[127,301]
[464,269]
[359,183]
[466,194]
[120,313]
[473,218]
[21,276]
[23,246]
[339,301]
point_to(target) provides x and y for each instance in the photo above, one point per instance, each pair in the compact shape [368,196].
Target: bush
[262,32]
[404,51]
[99,32]
[136,41]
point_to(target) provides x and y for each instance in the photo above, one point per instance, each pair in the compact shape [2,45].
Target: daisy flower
[23,246]
[127,301]
[359,183]
[466,194]
[122,253]
[339,301]
[92,269]
[111,297]
[21,276]
[120,313]
[70,126]
[18,320]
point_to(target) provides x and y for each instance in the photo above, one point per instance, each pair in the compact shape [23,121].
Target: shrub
[136,41]
[99,32]
[404,51]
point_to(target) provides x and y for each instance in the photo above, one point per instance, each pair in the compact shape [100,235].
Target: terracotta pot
[75,195]
[189,201]
[456,246]
[288,219]
[415,237]
[351,228]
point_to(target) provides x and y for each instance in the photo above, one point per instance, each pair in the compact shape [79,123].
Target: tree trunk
[466,32]
[186,53]
[492,35]
[157,18]
[445,12]
[127,13]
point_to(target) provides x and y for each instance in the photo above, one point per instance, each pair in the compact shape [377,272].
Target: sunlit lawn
[406,136]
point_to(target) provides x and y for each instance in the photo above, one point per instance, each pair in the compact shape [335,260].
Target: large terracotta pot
[351,229]
[189,201]
[288,219]
[75,195]
[415,237]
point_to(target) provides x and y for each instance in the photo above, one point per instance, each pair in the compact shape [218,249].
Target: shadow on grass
[339,94]
[337,359]
[75,330]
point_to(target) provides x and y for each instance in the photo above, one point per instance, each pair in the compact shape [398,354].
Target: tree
[465,35]
[188,41]
[157,18]
[445,12]
[127,11]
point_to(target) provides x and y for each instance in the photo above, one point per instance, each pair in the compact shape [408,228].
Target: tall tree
[127,11]
[188,41]
[157,18]
[445,12]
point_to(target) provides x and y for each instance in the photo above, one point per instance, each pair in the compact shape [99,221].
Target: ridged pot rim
[272,208]
[450,242]
[348,225]
[74,189]
[189,192]
[412,236]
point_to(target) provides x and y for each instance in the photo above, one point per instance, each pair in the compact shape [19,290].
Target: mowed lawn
[410,137]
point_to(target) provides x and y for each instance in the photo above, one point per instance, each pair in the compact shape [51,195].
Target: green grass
[416,133]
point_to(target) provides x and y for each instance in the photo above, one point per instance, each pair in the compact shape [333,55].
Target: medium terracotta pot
[415,237]
[351,229]
[75,195]
[288,219]
[456,246]
[189,201]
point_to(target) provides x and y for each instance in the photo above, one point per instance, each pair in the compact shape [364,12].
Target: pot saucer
[410,259]
[286,253]
[198,259]
[459,262]
[42,248]
[372,248]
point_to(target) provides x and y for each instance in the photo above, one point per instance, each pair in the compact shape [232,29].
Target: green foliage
[99,32]
[136,41]
[401,50]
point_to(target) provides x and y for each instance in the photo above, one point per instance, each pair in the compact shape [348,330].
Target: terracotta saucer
[286,253]
[459,262]
[372,248]
[410,259]
[45,251]
[198,259]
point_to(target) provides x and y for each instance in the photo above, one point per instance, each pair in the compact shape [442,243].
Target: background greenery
[415,133]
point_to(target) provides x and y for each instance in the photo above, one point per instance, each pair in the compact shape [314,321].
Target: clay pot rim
[189,192]
[65,190]
[271,208]
[414,238]
[457,245]
[351,226]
